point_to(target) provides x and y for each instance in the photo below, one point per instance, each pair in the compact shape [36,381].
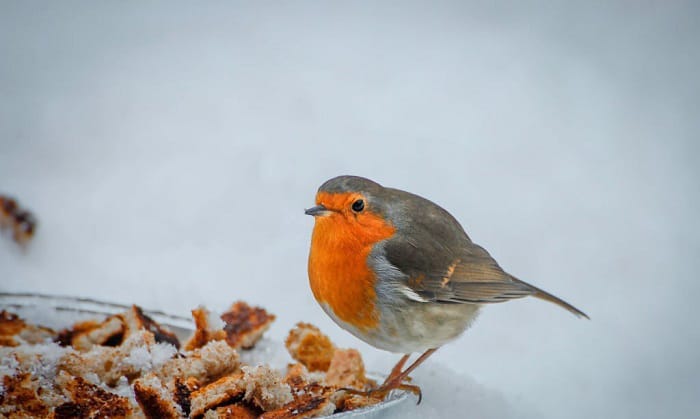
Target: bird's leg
[397,382]
[395,379]
[397,368]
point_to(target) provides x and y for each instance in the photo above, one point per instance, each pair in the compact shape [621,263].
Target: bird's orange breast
[338,272]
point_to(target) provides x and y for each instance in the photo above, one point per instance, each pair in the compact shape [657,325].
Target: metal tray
[59,312]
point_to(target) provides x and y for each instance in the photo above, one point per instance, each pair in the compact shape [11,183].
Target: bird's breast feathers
[339,275]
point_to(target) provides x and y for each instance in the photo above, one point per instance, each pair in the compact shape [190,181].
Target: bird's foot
[395,380]
[383,391]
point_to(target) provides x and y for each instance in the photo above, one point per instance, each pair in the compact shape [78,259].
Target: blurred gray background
[169,149]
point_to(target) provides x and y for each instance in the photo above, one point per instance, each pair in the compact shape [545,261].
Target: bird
[400,273]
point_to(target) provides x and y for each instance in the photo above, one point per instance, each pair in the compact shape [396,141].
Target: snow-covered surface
[168,151]
[41,360]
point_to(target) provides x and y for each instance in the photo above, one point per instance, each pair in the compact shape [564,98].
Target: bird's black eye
[358,205]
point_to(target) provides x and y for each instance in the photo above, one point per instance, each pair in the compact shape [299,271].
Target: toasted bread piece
[346,370]
[15,331]
[85,335]
[345,402]
[207,329]
[208,363]
[19,397]
[304,406]
[107,362]
[40,363]
[114,330]
[8,341]
[155,399]
[222,391]
[182,392]
[301,381]
[10,326]
[309,346]
[24,227]
[65,336]
[22,223]
[233,411]
[135,320]
[297,377]
[245,324]
[8,207]
[265,387]
[139,354]
[89,400]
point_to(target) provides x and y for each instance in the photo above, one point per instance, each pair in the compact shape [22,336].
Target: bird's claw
[383,391]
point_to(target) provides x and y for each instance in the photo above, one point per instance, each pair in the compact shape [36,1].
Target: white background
[169,150]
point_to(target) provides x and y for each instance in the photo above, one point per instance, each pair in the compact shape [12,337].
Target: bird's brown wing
[459,272]
[453,272]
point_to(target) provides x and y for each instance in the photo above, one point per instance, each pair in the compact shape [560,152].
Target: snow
[139,358]
[161,352]
[40,361]
[147,358]
[214,320]
[123,389]
[168,151]
[8,366]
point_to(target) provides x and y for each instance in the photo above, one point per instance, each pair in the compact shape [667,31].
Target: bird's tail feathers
[544,295]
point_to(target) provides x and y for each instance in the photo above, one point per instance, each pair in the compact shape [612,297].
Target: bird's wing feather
[465,274]
[459,271]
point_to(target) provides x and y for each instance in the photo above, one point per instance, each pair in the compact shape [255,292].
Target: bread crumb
[135,321]
[245,325]
[265,388]
[207,328]
[233,411]
[155,399]
[89,400]
[15,331]
[305,406]
[208,363]
[309,346]
[85,335]
[223,390]
[346,370]
[19,397]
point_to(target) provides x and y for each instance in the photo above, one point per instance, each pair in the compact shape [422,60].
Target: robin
[400,273]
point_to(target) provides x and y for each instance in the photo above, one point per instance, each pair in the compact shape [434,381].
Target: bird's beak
[317,210]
